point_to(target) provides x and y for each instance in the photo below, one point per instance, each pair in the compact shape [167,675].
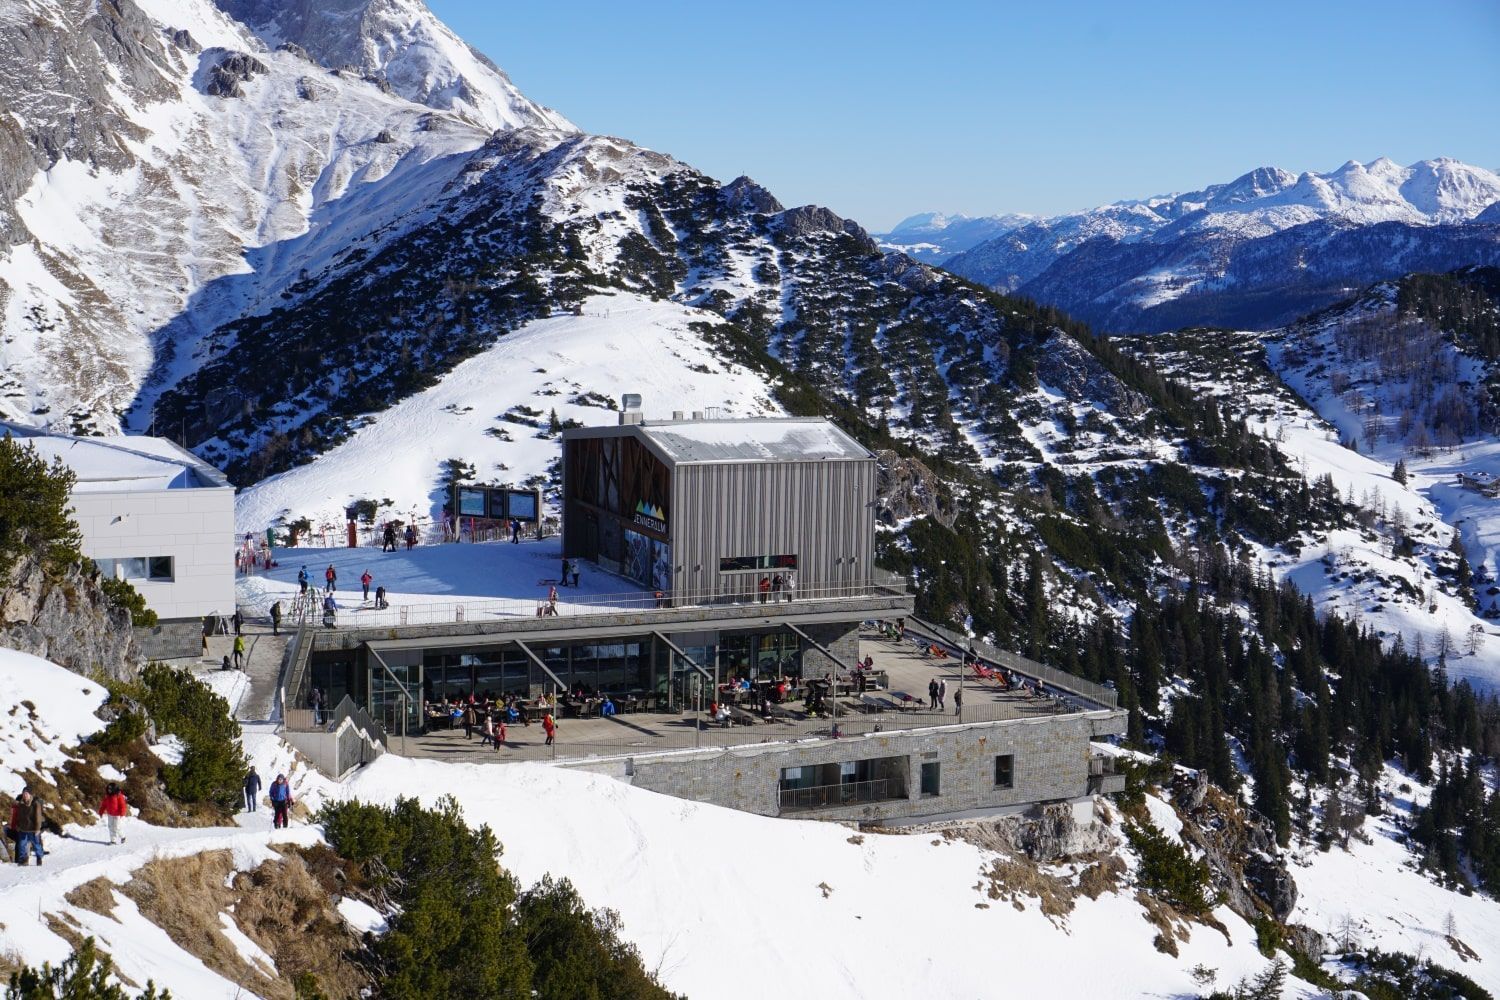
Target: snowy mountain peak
[402,43]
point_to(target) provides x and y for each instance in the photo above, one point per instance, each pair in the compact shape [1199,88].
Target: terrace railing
[1098,694]
[848,793]
[570,606]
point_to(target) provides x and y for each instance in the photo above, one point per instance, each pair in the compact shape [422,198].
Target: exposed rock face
[817,219]
[66,619]
[1240,846]
[906,488]
[1045,833]
[744,195]
[222,72]
[1066,367]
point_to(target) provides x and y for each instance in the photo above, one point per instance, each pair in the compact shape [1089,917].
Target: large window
[751,564]
[156,569]
[1005,771]
[932,778]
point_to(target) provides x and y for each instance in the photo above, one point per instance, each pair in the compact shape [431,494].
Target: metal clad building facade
[819,511]
[711,507]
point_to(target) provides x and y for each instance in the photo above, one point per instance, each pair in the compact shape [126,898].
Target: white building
[151,513]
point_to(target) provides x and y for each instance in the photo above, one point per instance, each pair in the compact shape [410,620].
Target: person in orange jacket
[112,809]
[549,726]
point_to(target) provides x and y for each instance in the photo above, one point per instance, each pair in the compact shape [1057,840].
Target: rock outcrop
[905,488]
[68,619]
[1240,846]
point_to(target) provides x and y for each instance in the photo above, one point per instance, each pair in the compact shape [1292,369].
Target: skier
[112,809]
[380,601]
[365,582]
[330,612]
[281,801]
[331,575]
[252,789]
[239,652]
[389,542]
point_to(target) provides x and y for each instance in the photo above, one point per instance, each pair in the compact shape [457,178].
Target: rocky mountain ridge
[1259,251]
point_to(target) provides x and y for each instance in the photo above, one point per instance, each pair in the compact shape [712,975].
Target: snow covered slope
[185,150]
[493,410]
[401,43]
[933,237]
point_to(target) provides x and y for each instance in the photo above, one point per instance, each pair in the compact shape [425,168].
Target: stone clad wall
[1051,764]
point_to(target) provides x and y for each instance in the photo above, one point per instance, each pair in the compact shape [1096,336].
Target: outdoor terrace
[906,667]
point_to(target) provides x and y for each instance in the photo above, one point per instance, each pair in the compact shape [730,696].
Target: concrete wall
[1051,757]
[193,526]
[820,512]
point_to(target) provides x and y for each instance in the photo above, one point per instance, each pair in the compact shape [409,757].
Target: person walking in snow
[302,579]
[331,575]
[239,652]
[388,544]
[549,726]
[411,536]
[113,809]
[276,618]
[364,581]
[252,789]
[26,818]
[515,532]
[565,569]
[281,801]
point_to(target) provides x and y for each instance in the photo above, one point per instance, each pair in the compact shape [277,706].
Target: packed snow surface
[43,708]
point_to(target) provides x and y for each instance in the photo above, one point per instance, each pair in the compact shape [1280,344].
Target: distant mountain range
[1257,251]
[933,237]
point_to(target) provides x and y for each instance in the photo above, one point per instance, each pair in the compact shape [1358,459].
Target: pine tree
[1399,473]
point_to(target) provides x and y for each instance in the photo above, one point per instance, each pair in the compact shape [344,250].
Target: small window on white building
[133,568]
[159,568]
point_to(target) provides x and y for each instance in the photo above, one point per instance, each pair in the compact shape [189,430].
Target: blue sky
[878,110]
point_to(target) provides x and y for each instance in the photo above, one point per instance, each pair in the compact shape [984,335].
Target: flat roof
[753,439]
[122,463]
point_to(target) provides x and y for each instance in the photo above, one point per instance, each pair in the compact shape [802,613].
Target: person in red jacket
[549,726]
[112,809]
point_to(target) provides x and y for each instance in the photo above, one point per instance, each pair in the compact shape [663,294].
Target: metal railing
[568,606]
[848,793]
[1099,694]
[331,535]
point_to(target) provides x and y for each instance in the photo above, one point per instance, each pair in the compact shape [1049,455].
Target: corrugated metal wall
[819,511]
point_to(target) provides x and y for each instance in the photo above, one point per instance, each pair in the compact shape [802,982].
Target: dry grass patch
[281,906]
[1102,876]
[96,895]
[1015,879]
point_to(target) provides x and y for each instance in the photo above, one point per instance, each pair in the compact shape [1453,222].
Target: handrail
[294,667]
[1087,690]
[348,708]
[635,601]
[816,796]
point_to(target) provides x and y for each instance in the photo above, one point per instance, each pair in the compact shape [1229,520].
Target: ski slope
[622,343]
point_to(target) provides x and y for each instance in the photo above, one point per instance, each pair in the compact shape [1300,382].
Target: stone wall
[1051,763]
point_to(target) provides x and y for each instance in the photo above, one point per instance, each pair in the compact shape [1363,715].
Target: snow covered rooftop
[106,464]
[752,440]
